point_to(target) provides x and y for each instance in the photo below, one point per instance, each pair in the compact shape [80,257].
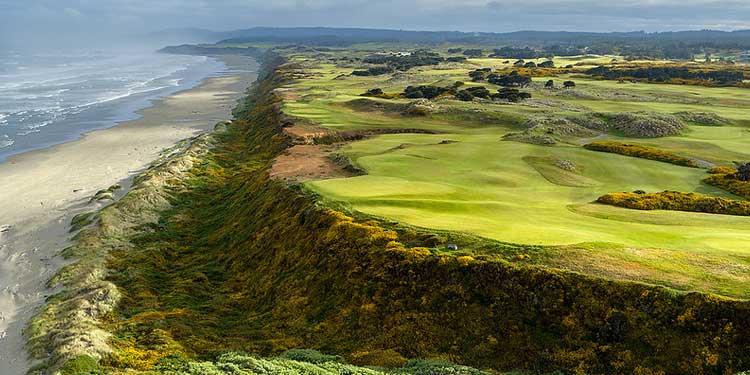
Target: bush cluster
[511,95]
[668,73]
[421,57]
[374,71]
[730,180]
[640,151]
[512,79]
[677,201]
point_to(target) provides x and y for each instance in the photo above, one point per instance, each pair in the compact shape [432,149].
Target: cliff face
[239,261]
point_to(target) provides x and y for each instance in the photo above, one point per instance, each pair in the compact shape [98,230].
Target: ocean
[54,97]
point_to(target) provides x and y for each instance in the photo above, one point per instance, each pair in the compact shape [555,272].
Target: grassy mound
[703,118]
[640,151]
[677,201]
[550,130]
[560,172]
[644,124]
[726,179]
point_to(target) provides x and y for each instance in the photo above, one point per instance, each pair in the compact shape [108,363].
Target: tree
[509,80]
[479,92]
[530,64]
[547,64]
[743,171]
[519,63]
[569,84]
[473,53]
[511,95]
[550,84]
[480,74]
[373,92]
[455,50]
[464,95]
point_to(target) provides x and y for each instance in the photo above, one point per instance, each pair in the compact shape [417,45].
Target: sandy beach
[40,191]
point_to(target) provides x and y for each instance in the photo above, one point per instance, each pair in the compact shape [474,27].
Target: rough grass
[298,363]
[640,151]
[677,201]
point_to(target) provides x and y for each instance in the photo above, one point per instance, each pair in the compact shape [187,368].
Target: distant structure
[452,247]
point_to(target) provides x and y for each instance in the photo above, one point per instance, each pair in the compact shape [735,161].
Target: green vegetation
[677,201]
[209,257]
[82,220]
[291,363]
[673,74]
[512,191]
[82,365]
[640,151]
[730,180]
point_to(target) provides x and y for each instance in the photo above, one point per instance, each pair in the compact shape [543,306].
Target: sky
[35,21]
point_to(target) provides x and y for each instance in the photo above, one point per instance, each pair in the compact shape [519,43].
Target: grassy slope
[484,186]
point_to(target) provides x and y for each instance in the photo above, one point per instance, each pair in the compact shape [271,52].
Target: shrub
[309,355]
[547,64]
[479,75]
[726,178]
[455,59]
[473,53]
[81,365]
[428,92]
[640,151]
[373,92]
[464,95]
[388,358]
[432,367]
[511,95]
[513,79]
[677,201]
[479,92]
[376,71]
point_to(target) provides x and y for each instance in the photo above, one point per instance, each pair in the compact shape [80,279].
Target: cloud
[113,17]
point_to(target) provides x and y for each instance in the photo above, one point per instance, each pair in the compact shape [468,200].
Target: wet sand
[40,191]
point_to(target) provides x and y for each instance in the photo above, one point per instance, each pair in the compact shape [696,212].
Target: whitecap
[6,142]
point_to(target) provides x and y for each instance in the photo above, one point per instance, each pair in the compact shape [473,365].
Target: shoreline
[43,189]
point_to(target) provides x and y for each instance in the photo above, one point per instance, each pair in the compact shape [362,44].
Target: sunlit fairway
[513,192]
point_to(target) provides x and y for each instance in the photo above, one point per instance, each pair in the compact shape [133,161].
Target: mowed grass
[513,192]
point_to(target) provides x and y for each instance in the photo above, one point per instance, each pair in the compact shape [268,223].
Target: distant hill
[344,36]
[684,45]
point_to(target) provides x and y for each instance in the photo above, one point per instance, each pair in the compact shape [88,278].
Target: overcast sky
[50,19]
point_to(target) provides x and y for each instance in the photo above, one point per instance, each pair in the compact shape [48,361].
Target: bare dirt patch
[306,133]
[302,163]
